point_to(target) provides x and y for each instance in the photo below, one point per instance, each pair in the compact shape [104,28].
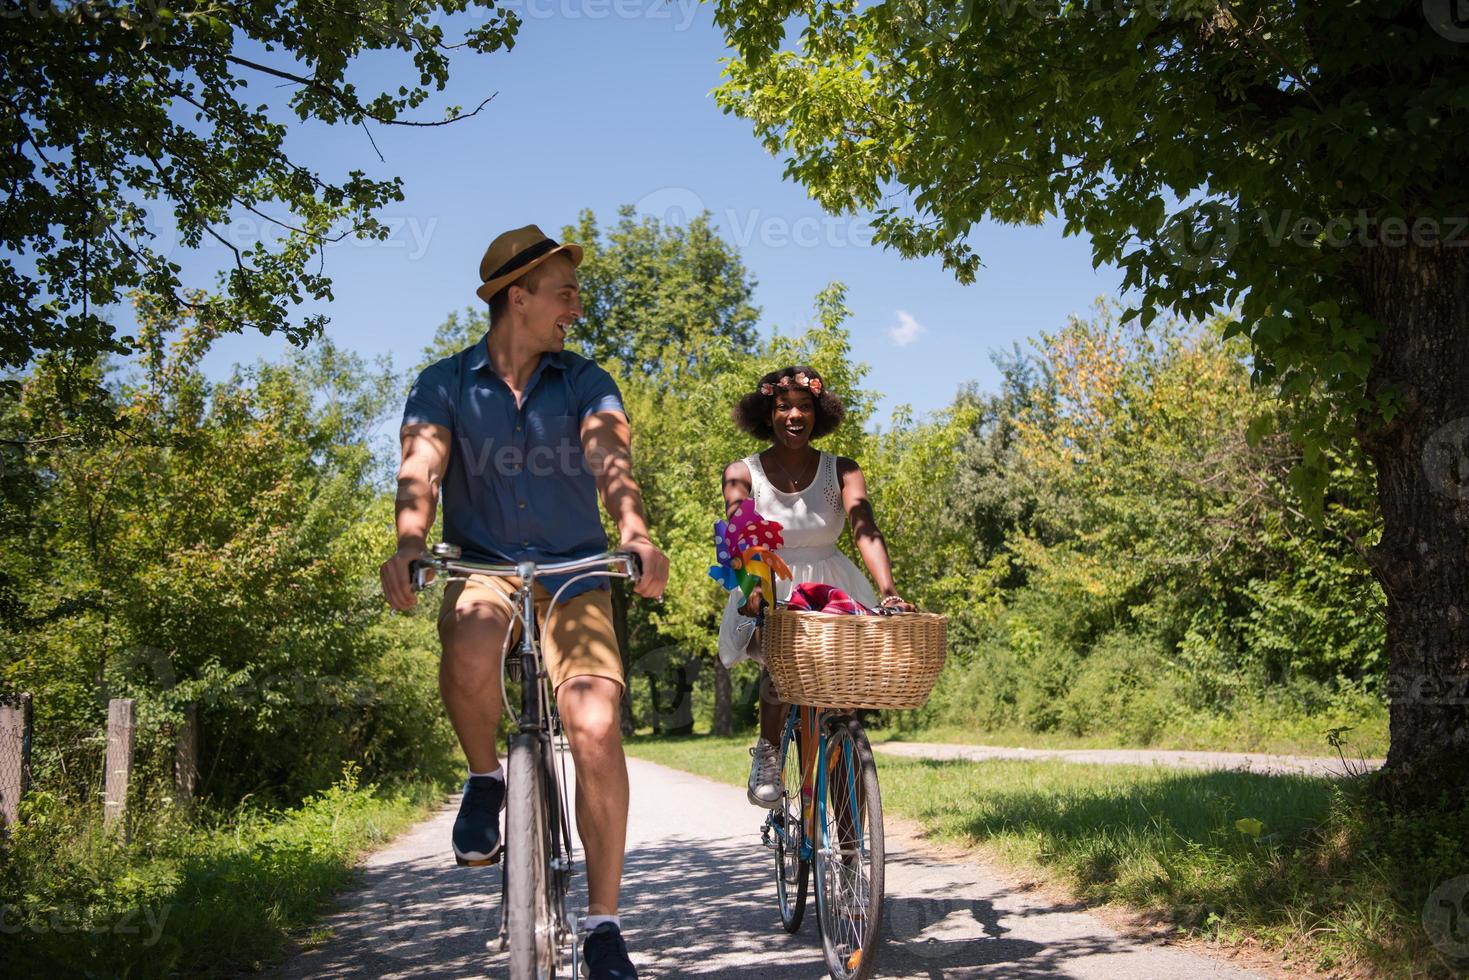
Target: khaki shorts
[581,641]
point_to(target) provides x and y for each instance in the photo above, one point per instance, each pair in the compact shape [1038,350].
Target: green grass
[1366,739]
[211,897]
[1327,877]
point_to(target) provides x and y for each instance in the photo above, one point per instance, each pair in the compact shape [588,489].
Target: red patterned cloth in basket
[820,597]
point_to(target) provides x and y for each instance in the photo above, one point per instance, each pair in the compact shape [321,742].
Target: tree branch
[352,105]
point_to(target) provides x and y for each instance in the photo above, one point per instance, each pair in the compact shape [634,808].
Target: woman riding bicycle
[812,495]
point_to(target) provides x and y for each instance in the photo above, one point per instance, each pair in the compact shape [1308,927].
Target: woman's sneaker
[764,775]
[477,828]
[606,955]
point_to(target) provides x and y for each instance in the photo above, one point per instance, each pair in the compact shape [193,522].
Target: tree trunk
[1420,296]
[723,714]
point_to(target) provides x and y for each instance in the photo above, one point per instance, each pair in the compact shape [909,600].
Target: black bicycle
[539,855]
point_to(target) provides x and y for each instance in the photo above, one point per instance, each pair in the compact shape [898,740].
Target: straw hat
[515,253]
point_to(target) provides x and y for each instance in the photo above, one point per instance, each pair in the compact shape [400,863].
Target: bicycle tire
[849,892]
[528,886]
[792,872]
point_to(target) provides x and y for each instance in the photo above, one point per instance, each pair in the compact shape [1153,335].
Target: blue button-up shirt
[517,486]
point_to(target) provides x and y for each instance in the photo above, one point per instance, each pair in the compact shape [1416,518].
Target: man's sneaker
[764,775]
[606,955]
[477,829]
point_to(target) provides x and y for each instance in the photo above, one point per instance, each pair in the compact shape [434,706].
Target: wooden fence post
[121,715]
[186,757]
[15,757]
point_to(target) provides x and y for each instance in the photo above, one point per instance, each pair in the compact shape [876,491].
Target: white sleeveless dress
[812,521]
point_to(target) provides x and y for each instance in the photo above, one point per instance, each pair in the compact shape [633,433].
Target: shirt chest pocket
[554,446]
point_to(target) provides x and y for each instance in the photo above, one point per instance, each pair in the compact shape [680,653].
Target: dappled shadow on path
[699,901]
[692,908]
[715,915]
[419,916]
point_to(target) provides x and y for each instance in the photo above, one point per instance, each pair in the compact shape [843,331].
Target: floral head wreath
[793,381]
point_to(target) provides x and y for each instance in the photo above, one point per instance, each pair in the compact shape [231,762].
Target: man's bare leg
[469,676]
[589,708]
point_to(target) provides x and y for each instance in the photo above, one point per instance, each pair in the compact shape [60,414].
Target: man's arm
[426,450]
[605,440]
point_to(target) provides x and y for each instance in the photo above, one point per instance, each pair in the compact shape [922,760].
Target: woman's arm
[736,485]
[737,488]
[869,540]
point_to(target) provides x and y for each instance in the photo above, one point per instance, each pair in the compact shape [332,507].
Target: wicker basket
[834,661]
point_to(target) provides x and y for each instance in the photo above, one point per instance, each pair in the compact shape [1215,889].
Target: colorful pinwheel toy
[745,546]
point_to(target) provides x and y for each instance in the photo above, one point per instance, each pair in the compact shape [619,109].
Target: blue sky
[607,102]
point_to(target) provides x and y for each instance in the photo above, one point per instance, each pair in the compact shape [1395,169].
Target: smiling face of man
[549,304]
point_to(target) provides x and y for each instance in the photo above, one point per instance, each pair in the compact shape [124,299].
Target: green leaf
[1260,427]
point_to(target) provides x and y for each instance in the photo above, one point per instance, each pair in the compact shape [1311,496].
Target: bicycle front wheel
[849,853]
[528,885]
[792,873]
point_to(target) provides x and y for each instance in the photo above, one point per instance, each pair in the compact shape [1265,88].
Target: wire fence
[126,765]
[15,755]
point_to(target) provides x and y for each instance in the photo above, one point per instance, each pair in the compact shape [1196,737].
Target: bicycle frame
[816,719]
[536,716]
[813,815]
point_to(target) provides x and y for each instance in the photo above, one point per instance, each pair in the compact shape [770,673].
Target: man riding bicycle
[522,437]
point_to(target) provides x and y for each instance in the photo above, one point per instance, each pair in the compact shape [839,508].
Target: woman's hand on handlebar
[892,602]
[655,567]
[754,603]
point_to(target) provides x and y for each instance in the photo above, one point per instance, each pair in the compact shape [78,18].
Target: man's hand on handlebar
[655,567]
[397,586]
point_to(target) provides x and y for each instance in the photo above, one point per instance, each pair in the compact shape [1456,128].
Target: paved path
[1275,765]
[699,902]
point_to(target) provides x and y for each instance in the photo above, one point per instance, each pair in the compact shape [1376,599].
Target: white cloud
[907,330]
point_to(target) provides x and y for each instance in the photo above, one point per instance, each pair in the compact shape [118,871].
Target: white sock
[497,774]
[593,921]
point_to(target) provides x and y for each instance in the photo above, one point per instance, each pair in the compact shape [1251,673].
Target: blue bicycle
[830,818]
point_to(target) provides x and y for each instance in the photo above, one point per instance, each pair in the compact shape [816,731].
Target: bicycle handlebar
[783,606]
[448,562]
